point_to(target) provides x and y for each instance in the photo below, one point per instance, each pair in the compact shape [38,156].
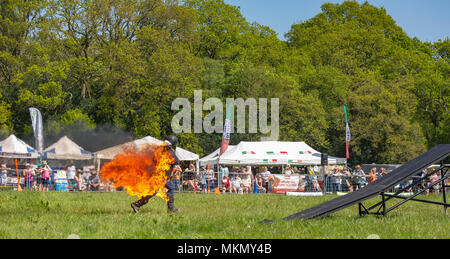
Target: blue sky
[428,20]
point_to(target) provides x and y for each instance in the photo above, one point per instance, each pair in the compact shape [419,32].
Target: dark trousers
[170,193]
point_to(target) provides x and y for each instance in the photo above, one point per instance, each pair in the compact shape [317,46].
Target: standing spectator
[189,172]
[70,173]
[38,172]
[45,176]
[359,178]
[202,179]
[190,168]
[265,177]
[209,179]
[176,176]
[335,180]
[3,175]
[28,173]
[235,183]
[94,182]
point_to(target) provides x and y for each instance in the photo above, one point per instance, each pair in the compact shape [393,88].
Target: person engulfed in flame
[170,145]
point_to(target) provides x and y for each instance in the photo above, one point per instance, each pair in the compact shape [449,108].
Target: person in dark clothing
[171,143]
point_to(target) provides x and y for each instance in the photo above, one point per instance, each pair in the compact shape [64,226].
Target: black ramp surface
[400,174]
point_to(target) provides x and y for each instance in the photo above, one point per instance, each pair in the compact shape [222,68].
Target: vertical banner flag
[226,131]
[36,122]
[347,134]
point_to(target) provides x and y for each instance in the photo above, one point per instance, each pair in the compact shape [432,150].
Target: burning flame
[142,172]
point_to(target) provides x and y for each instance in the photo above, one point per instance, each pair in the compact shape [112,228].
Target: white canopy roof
[65,148]
[111,152]
[275,153]
[12,147]
[213,158]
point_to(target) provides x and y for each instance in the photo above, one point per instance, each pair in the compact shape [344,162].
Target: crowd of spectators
[41,177]
[347,180]
[246,179]
[240,180]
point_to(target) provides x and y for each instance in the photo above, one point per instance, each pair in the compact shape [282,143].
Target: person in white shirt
[3,174]
[265,177]
[247,183]
[236,183]
[70,173]
[288,171]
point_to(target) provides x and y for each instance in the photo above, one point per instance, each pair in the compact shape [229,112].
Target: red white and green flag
[226,131]
[347,134]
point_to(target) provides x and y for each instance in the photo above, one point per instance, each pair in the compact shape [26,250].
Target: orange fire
[142,172]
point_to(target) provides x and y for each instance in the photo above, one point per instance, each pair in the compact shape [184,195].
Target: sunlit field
[204,216]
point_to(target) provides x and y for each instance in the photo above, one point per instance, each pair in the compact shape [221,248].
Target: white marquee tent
[213,158]
[12,147]
[65,148]
[275,153]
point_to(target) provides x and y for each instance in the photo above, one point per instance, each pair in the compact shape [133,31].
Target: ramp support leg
[384,204]
[444,186]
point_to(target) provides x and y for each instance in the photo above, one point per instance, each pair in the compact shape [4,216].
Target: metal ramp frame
[379,187]
[382,210]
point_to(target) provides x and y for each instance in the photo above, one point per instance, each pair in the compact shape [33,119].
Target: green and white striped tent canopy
[275,153]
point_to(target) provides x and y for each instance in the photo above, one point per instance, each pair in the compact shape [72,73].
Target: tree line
[118,64]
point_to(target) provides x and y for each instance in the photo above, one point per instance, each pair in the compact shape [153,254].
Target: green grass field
[204,216]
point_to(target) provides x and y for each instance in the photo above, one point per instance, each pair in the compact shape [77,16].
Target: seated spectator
[235,183]
[247,183]
[315,183]
[81,186]
[347,180]
[94,182]
[433,179]
[372,175]
[382,172]
[260,184]
[226,183]
[241,189]
[358,178]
